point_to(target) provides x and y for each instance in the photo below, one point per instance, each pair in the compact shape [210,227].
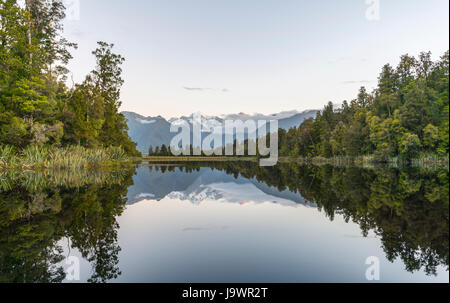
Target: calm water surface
[225,222]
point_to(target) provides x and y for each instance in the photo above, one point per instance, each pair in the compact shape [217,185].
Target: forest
[405,117]
[37,107]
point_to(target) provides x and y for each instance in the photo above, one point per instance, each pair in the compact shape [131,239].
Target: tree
[406,70]
[409,145]
[431,137]
[363,98]
[164,150]
[107,78]
[85,115]
[44,29]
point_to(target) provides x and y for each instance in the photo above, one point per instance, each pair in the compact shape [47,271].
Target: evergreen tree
[164,150]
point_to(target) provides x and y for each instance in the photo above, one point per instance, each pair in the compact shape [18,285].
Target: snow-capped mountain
[148,130]
[206,185]
[257,116]
[230,193]
[155,131]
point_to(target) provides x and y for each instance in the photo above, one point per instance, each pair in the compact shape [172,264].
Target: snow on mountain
[229,193]
[155,131]
[258,116]
[206,185]
[143,196]
[144,121]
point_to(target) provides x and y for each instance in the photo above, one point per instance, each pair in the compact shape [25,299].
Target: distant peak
[242,115]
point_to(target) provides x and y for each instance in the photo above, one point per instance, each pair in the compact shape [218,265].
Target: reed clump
[47,157]
[39,180]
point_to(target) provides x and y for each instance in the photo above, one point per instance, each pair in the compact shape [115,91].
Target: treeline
[162,150]
[36,105]
[189,150]
[406,116]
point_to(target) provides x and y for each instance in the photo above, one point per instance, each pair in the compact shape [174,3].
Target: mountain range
[155,131]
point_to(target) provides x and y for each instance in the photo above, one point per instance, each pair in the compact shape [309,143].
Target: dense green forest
[406,116]
[36,105]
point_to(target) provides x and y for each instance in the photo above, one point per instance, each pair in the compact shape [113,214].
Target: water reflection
[38,209]
[221,222]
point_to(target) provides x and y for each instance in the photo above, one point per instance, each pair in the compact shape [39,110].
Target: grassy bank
[43,157]
[195,159]
[38,180]
[431,160]
[76,157]
[364,161]
[369,161]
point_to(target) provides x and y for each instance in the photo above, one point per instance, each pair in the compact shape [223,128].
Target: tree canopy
[35,100]
[407,115]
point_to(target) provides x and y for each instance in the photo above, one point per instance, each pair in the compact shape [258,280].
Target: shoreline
[365,161]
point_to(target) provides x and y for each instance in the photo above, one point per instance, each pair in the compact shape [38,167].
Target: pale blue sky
[251,56]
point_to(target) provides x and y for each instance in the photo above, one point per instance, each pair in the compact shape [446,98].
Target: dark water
[225,222]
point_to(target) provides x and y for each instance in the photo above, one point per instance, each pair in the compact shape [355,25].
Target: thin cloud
[196,88]
[205,228]
[202,89]
[358,82]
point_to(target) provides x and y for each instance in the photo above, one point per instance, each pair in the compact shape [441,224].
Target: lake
[225,222]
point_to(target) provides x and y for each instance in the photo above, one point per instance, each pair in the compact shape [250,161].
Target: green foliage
[14,132]
[409,145]
[406,116]
[8,156]
[431,137]
[36,106]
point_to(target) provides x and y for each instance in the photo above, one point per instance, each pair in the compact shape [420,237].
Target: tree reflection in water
[38,209]
[408,209]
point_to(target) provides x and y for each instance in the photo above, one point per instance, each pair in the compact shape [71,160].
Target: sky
[253,56]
